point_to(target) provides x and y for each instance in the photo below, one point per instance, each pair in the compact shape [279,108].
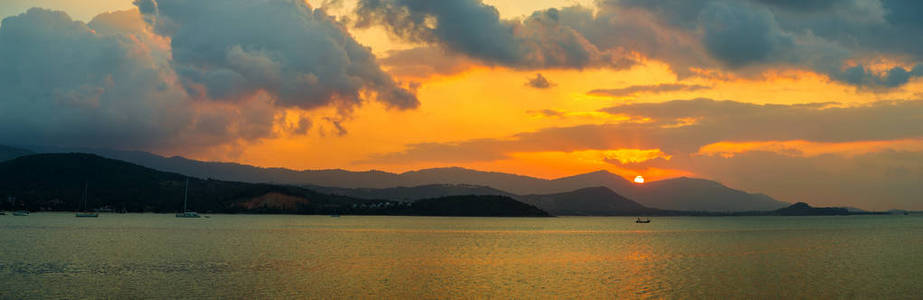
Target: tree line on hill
[56,182]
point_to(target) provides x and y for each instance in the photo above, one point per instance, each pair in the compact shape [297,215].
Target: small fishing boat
[21,213]
[186,213]
[642,221]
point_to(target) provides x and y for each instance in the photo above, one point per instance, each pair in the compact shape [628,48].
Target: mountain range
[7,152]
[58,181]
[671,194]
[53,182]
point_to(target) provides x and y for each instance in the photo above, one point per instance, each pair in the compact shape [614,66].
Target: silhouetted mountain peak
[596,190]
[7,152]
[592,179]
[600,172]
[455,171]
[603,174]
[688,181]
[800,205]
[686,193]
[587,201]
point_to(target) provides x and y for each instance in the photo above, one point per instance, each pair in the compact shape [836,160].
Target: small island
[803,209]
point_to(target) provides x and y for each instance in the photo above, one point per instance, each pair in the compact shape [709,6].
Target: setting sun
[639,179]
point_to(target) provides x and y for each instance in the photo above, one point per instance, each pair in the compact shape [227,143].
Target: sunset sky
[815,101]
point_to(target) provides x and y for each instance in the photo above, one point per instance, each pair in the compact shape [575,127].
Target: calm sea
[55,255]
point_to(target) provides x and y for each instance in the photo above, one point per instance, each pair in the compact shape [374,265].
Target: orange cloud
[628,156]
[808,148]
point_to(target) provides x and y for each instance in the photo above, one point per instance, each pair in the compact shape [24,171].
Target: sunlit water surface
[55,255]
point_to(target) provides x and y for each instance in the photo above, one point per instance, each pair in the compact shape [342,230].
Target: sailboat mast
[186,194]
[85,185]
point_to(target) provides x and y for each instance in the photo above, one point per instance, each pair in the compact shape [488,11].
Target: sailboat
[186,213]
[86,214]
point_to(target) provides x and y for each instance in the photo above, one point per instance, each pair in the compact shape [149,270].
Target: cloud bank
[64,83]
[180,74]
[300,56]
[476,29]
[853,42]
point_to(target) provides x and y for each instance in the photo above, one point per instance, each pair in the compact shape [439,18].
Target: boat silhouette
[186,213]
[86,214]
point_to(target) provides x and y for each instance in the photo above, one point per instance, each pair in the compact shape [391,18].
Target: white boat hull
[188,214]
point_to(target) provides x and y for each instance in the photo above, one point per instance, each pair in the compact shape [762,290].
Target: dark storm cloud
[539,82]
[63,83]
[739,34]
[904,13]
[476,29]
[301,56]
[106,84]
[841,39]
[119,82]
[803,5]
[467,26]
[652,89]
[860,75]
[616,27]
[838,38]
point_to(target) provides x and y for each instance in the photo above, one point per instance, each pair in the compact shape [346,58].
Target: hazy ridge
[671,194]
